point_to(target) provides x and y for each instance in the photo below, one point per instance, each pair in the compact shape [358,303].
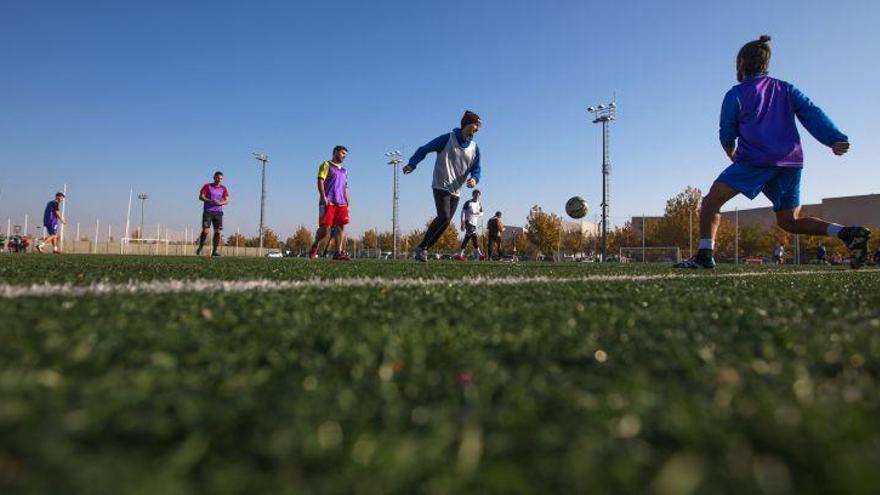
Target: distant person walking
[214,196]
[495,227]
[333,204]
[471,212]
[821,253]
[779,254]
[457,158]
[51,218]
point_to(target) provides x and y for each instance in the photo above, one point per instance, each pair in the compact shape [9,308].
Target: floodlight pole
[395,161]
[604,114]
[263,159]
[143,197]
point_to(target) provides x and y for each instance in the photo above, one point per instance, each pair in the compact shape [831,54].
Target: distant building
[848,210]
[585,228]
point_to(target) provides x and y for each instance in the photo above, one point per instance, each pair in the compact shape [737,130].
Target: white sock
[834,229]
[707,244]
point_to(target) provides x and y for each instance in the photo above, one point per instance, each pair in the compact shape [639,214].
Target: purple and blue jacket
[758,118]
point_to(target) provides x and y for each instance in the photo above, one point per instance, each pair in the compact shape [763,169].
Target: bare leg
[710,210]
[202,237]
[320,235]
[51,240]
[340,238]
[790,221]
[217,240]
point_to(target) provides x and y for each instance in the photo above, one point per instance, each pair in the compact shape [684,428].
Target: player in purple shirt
[333,204]
[51,217]
[214,196]
[758,133]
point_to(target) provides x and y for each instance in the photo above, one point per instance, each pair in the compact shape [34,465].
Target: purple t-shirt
[335,180]
[216,193]
[49,218]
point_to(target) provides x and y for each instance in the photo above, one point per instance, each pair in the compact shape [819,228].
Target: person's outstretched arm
[817,123]
[436,145]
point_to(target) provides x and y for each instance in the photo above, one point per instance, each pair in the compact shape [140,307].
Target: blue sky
[107,95]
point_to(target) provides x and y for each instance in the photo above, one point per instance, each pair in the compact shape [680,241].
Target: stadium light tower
[143,197]
[604,114]
[263,159]
[394,159]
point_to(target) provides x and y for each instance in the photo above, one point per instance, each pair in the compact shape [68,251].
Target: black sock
[216,240]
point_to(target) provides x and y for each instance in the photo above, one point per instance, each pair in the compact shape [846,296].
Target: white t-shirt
[471,211]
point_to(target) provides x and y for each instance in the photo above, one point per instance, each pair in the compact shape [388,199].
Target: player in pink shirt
[214,196]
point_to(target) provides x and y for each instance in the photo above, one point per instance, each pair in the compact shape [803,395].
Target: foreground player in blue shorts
[759,134]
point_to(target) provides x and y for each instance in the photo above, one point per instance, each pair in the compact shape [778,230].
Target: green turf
[707,385]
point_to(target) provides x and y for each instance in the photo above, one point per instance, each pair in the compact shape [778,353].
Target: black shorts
[214,218]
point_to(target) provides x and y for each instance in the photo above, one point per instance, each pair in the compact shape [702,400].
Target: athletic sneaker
[313,254]
[215,254]
[40,247]
[341,257]
[421,255]
[856,240]
[703,259]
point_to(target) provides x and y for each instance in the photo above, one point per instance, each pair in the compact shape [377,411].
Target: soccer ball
[577,207]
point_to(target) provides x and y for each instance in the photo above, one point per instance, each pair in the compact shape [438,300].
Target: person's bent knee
[710,204]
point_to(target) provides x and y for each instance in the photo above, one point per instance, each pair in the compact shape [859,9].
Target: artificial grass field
[704,383]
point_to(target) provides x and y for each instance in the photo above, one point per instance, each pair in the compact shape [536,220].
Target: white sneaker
[40,247]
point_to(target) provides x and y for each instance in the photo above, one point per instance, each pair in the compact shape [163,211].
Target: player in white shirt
[470,216]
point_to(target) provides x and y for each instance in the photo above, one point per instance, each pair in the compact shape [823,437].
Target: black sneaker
[421,255]
[703,259]
[215,254]
[856,240]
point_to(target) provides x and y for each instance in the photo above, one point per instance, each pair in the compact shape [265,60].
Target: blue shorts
[781,185]
[51,229]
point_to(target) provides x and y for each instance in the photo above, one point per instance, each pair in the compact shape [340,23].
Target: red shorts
[335,215]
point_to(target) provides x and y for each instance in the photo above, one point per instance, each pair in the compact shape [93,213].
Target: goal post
[653,254]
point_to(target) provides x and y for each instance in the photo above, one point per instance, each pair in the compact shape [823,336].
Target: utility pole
[263,159]
[604,114]
[143,197]
[394,159]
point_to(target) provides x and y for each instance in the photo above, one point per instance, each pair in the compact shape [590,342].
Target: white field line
[8,291]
